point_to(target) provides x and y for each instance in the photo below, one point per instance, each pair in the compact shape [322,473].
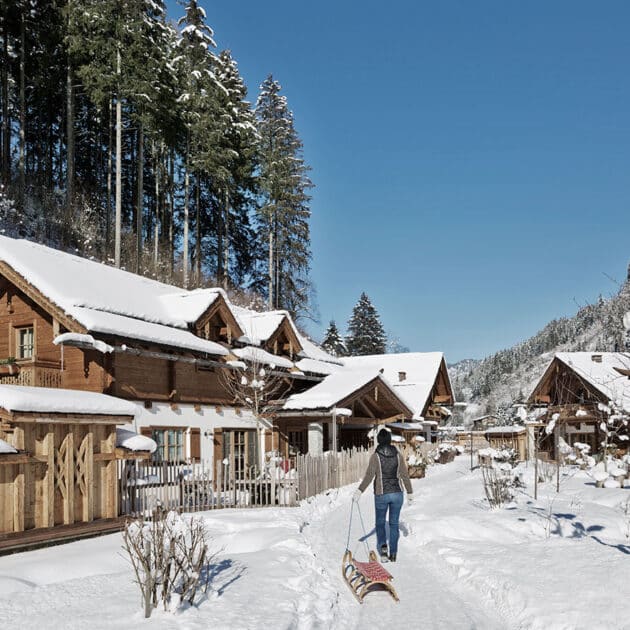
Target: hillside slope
[509,375]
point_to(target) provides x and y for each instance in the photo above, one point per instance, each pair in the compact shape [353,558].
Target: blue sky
[471,159]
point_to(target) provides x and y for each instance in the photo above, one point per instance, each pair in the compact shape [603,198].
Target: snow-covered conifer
[365,331]
[333,341]
[285,212]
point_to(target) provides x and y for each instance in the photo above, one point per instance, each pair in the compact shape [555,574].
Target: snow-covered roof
[127,438]
[258,355]
[6,448]
[335,388]
[191,305]
[601,373]
[420,370]
[408,426]
[128,327]
[112,301]
[259,327]
[310,350]
[82,340]
[54,400]
[317,367]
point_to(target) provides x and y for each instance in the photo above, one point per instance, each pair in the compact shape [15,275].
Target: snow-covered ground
[560,562]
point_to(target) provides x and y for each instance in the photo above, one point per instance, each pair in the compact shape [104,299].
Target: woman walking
[387,468]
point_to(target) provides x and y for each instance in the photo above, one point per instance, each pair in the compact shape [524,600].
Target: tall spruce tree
[366,334]
[285,212]
[333,341]
[198,108]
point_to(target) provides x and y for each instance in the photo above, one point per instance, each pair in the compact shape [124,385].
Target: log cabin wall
[48,366]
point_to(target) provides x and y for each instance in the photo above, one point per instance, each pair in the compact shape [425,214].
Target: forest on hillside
[128,137]
[495,383]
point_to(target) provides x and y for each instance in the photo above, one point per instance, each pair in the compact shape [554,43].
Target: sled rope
[367,547]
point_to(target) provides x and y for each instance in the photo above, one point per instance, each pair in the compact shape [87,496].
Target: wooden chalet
[67,323]
[420,378]
[339,412]
[573,386]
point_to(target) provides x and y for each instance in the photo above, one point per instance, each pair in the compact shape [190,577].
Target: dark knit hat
[384,437]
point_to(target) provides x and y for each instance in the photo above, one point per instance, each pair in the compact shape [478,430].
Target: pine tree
[285,212]
[229,144]
[333,341]
[194,63]
[365,331]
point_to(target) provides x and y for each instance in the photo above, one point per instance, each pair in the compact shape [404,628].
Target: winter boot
[392,557]
[383,553]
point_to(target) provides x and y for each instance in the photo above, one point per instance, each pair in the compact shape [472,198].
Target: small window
[170,445]
[25,342]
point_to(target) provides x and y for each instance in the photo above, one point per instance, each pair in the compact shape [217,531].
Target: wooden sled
[365,577]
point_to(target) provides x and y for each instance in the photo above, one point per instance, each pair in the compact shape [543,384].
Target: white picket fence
[145,486]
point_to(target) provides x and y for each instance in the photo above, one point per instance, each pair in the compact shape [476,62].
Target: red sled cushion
[373,571]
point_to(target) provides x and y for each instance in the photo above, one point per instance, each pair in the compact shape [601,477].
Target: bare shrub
[546,471]
[498,484]
[169,556]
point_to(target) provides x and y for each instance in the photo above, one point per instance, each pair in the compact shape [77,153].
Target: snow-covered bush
[491,456]
[579,455]
[169,557]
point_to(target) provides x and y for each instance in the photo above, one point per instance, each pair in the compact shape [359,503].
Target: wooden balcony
[31,372]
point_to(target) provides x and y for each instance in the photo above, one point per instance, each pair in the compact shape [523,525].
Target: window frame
[19,346]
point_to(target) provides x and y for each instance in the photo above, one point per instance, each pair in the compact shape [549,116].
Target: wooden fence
[144,486]
[317,474]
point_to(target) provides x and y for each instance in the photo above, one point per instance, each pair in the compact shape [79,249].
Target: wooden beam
[18,500]
[36,417]
[14,458]
[365,408]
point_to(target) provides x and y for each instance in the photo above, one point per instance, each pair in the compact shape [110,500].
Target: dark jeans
[392,501]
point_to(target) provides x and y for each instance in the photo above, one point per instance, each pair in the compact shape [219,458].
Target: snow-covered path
[557,564]
[427,594]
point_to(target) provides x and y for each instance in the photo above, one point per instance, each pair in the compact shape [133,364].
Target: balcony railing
[31,372]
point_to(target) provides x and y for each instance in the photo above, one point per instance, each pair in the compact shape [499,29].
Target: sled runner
[365,577]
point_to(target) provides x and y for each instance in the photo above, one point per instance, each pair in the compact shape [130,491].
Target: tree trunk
[171,218]
[271,265]
[108,204]
[6,125]
[186,213]
[69,142]
[226,241]
[118,202]
[139,193]
[156,233]
[22,137]
[198,230]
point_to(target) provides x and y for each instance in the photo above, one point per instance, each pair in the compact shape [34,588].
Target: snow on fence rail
[145,486]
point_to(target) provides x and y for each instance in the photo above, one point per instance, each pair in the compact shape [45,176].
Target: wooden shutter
[195,443]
